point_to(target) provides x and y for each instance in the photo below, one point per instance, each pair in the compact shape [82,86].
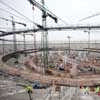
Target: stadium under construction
[34,68]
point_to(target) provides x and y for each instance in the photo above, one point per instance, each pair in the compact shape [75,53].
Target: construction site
[46,57]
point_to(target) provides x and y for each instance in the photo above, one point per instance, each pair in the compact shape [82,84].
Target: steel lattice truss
[3,33]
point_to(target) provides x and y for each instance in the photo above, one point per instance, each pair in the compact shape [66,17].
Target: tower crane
[43,9]
[13,26]
[44,38]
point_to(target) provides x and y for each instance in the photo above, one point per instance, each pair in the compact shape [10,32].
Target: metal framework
[44,37]
[43,9]
[13,29]
[44,40]
[3,33]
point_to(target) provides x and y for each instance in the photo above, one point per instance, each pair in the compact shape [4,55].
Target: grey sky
[69,10]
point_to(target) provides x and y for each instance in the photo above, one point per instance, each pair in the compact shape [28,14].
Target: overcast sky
[71,11]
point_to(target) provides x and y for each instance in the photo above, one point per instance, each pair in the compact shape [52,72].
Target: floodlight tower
[88,39]
[3,46]
[14,36]
[13,28]
[69,44]
[24,37]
